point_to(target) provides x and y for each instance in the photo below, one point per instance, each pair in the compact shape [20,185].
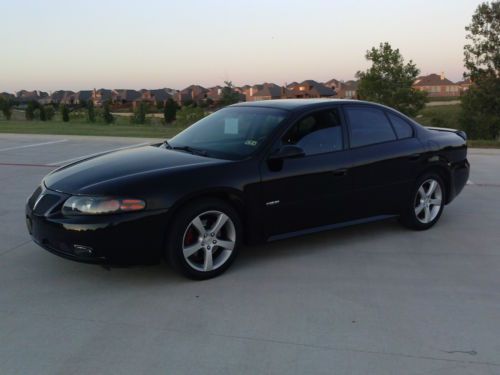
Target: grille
[45,203]
[34,197]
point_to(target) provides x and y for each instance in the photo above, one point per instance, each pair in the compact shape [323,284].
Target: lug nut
[208,247]
[214,242]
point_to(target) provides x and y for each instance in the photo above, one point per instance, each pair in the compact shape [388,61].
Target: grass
[83,128]
[445,116]
[483,143]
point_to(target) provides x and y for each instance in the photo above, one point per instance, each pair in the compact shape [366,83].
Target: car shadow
[249,257]
[321,242]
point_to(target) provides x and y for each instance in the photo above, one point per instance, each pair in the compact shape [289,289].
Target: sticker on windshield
[231,126]
[251,142]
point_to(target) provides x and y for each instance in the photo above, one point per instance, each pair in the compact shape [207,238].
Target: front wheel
[426,203]
[204,239]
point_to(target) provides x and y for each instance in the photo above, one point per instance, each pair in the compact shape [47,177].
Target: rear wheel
[426,203]
[204,239]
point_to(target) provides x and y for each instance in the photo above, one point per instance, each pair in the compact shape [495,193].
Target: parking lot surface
[370,299]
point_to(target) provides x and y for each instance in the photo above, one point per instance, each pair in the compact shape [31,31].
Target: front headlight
[100,205]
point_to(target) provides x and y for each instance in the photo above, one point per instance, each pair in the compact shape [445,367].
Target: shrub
[170,111]
[140,113]
[188,115]
[65,113]
[106,113]
[30,110]
[91,111]
[49,112]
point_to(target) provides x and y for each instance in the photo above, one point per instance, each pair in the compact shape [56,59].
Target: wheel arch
[231,196]
[442,171]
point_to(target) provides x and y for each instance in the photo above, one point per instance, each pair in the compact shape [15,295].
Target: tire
[425,204]
[204,239]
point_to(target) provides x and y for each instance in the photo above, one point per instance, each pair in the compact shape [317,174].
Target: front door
[312,190]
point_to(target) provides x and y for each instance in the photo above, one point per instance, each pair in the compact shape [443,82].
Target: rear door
[312,190]
[384,159]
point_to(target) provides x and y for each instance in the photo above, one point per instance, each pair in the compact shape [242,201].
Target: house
[348,90]
[82,97]
[24,96]
[310,89]
[161,95]
[266,91]
[437,86]
[334,84]
[249,91]
[214,93]
[124,96]
[156,96]
[192,94]
[62,97]
[7,96]
[99,97]
[464,85]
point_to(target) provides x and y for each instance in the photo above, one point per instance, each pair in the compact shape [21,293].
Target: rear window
[402,127]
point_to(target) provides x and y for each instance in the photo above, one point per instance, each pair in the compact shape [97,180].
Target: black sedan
[251,172]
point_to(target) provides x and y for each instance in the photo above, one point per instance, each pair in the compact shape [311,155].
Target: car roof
[298,104]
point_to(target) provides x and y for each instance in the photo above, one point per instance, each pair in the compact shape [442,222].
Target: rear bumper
[112,239]
[459,177]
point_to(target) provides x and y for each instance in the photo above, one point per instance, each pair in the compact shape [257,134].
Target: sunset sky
[75,45]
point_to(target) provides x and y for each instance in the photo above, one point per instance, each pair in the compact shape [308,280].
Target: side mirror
[287,152]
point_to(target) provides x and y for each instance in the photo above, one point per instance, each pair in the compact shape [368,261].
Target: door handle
[340,172]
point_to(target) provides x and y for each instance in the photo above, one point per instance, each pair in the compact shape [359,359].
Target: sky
[74,45]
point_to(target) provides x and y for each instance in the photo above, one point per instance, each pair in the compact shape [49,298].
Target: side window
[368,126]
[402,128]
[317,133]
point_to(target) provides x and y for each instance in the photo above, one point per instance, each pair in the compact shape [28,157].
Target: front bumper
[127,238]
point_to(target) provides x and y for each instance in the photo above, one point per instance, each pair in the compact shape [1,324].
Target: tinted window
[317,133]
[402,128]
[231,133]
[368,126]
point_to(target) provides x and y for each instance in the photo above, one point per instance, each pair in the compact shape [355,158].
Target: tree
[229,95]
[106,113]
[91,111]
[65,113]
[140,113]
[49,112]
[480,116]
[6,107]
[42,114]
[169,111]
[30,110]
[389,81]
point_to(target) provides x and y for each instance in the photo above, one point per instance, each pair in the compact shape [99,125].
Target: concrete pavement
[371,299]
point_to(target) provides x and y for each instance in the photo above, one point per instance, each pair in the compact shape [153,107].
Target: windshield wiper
[191,150]
[167,145]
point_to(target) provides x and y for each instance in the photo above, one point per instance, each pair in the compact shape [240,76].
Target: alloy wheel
[428,201]
[209,241]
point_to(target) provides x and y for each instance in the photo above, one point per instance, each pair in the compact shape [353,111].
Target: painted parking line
[469,182]
[62,162]
[33,145]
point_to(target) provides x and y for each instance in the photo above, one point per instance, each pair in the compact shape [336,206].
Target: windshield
[231,133]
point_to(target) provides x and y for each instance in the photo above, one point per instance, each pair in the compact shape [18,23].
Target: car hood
[85,176]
